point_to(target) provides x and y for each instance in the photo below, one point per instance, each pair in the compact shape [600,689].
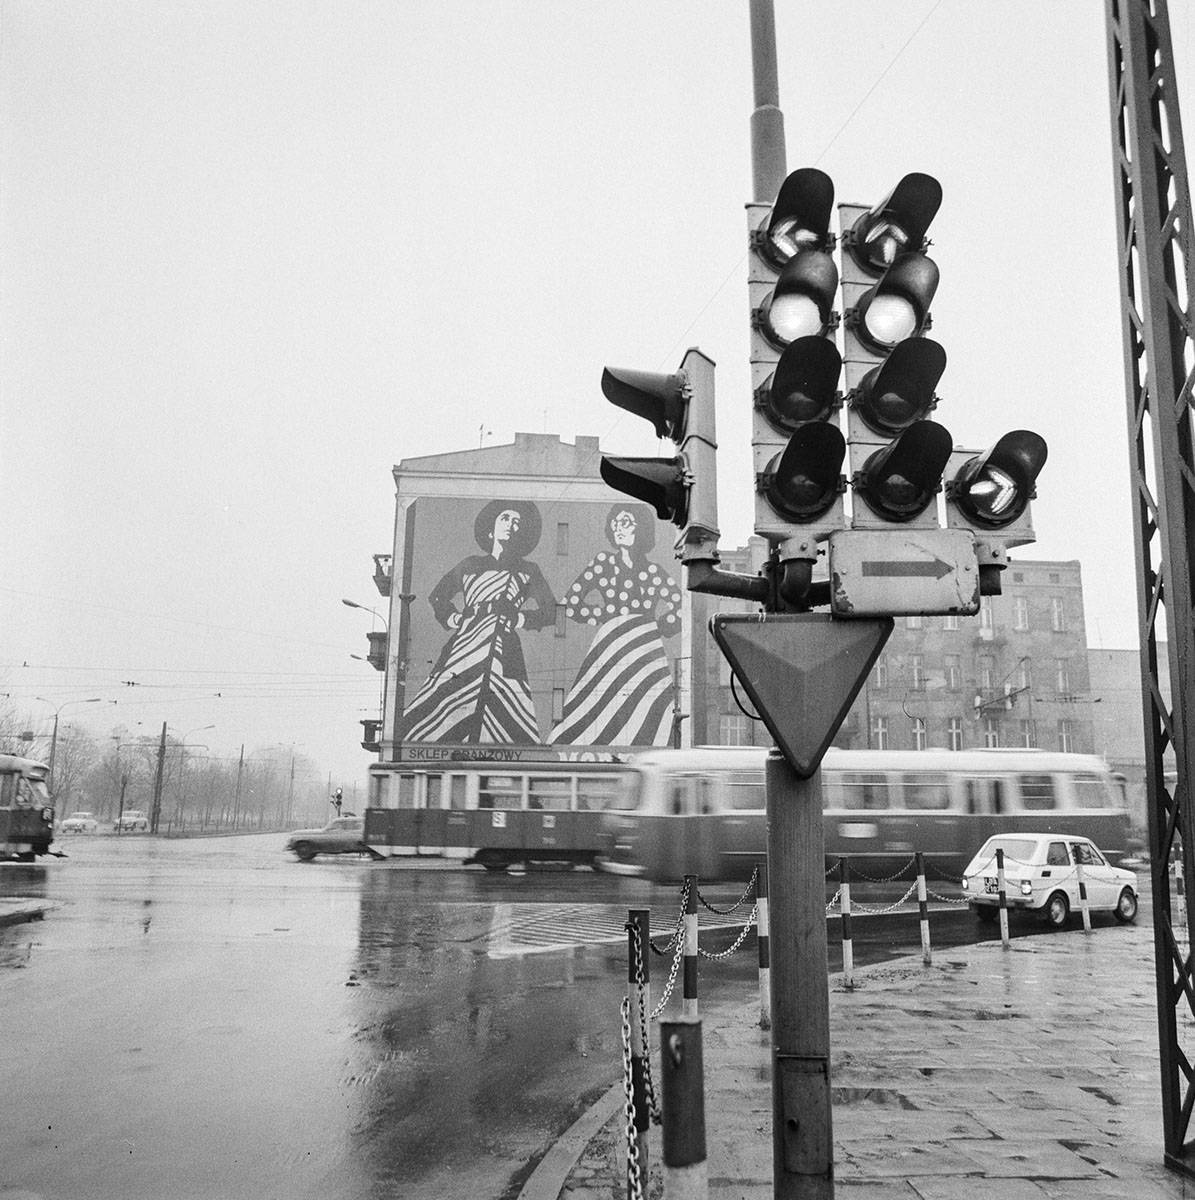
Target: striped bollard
[1083,907]
[689,983]
[761,933]
[848,950]
[682,1083]
[639,966]
[923,910]
[1003,899]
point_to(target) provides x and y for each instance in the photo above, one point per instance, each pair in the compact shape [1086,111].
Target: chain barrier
[946,899]
[725,912]
[634,1171]
[649,1083]
[867,908]
[678,930]
[718,954]
[883,878]
[833,867]
[835,898]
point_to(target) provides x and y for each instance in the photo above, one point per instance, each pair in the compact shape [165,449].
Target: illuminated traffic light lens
[793,315]
[880,245]
[994,493]
[788,236]
[890,319]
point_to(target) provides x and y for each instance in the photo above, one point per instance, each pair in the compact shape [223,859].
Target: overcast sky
[253,254]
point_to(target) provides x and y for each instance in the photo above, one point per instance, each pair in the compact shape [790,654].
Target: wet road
[211,1019]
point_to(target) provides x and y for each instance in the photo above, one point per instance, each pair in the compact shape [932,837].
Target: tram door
[690,797]
[431,819]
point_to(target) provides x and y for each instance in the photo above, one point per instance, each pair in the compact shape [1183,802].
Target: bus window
[406,791]
[1037,793]
[550,791]
[596,792]
[458,791]
[744,791]
[926,790]
[1092,791]
[861,789]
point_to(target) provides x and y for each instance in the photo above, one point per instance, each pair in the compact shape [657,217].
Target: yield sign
[802,672]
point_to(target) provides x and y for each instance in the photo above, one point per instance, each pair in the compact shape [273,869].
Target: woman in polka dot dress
[623,692]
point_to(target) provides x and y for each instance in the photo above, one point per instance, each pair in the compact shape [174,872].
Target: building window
[879,733]
[1057,614]
[950,622]
[985,613]
[914,621]
[987,673]
[919,738]
[991,733]
[954,672]
[1020,613]
[1023,676]
[1025,733]
[917,672]
[734,731]
[954,733]
[562,537]
[1062,677]
[880,675]
[1065,737]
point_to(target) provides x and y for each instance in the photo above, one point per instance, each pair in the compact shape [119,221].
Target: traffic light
[989,494]
[897,455]
[797,447]
[682,489]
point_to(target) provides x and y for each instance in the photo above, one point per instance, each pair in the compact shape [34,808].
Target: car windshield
[1016,850]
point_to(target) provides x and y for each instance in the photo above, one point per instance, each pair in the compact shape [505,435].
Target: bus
[26,810]
[493,814]
[702,811]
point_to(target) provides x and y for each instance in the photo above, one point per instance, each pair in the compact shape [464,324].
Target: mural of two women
[478,691]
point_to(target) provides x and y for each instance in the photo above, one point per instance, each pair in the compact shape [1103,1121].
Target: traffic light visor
[899,481]
[659,399]
[804,385]
[800,218]
[659,482]
[898,306]
[801,302]
[992,489]
[897,224]
[803,479]
[900,390]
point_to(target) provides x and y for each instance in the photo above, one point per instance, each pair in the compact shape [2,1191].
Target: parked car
[341,835]
[80,822]
[1041,876]
[132,820]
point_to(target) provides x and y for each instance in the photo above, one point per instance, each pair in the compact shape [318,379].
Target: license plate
[991,883]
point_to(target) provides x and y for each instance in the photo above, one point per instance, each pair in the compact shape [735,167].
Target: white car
[341,835]
[80,822]
[131,820]
[1041,875]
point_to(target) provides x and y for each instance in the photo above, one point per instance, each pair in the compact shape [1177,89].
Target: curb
[550,1175]
[16,912]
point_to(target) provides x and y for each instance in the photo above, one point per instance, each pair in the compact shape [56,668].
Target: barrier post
[1180,905]
[639,970]
[689,984]
[1083,907]
[848,949]
[683,1083]
[761,934]
[1003,899]
[923,910]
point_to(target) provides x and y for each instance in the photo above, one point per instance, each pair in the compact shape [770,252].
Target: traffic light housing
[682,489]
[797,447]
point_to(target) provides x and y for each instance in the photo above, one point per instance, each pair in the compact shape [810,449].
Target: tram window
[458,790]
[406,791]
[680,796]
[1091,791]
[862,789]
[1037,792]
[379,791]
[500,791]
[555,792]
[926,789]
[745,792]
[832,796]
[434,790]
[627,793]
[595,793]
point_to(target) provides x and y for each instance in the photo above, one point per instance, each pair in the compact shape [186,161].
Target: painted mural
[552,643]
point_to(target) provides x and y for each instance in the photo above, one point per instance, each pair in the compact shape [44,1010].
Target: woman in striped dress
[623,692]
[478,690]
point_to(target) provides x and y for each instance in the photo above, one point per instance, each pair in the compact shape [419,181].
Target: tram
[494,814]
[701,811]
[26,810]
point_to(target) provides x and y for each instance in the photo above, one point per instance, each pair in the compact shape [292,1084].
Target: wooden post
[761,935]
[682,1084]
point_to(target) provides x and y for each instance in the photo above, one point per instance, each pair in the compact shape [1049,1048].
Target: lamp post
[54,735]
[365,608]
[182,766]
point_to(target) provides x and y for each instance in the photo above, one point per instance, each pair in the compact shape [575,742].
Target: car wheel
[1057,910]
[987,913]
[306,851]
[1126,907]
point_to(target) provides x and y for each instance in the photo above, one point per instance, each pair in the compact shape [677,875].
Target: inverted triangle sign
[802,672]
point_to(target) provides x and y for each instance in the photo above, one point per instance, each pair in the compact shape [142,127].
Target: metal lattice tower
[1153,213]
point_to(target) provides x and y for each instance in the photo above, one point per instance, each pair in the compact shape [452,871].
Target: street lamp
[182,773]
[366,608]
[54,735]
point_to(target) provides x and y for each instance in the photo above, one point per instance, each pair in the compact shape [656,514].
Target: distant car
[341,835]
[132,820]
[1041,876]
[80,822]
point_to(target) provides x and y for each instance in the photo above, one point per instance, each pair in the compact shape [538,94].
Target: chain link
[833,867]
[723,912]
[834,899]
[718,954]
[649,1083]
[634,1170]
[884,878]
[867,908]
[946,899]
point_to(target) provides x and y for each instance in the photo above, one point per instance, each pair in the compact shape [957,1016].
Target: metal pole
[848,945]
[689,988]
[761,934]
[802,1146]
[1086,911]
[682,1082]
[767,121]
[923,909]
[1000,885]
[53,752]
[639,969]
[156,811]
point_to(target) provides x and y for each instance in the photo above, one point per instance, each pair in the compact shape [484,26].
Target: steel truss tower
[1153,214]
